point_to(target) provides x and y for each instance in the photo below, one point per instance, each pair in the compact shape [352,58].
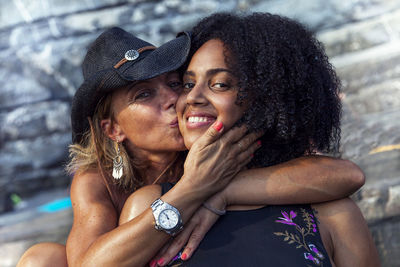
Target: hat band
[140,50]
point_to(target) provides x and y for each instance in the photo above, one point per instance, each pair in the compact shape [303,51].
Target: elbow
[356,176]
[91,261]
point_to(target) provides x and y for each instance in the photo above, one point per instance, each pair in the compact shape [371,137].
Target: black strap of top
[165,187]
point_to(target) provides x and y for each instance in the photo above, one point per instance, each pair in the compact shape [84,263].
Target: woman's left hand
[193,232]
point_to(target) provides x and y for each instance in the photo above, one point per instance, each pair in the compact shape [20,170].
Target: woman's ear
[112,130]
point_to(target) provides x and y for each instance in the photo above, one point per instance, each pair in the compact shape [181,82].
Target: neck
[155,164]
[158,167]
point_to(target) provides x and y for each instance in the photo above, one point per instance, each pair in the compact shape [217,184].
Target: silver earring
[118,165]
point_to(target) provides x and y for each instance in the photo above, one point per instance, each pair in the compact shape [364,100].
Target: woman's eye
[219,86]
[142,95]
[188,86]
[175,85]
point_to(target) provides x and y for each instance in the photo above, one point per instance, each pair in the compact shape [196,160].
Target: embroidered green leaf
[286,238]
[291,242]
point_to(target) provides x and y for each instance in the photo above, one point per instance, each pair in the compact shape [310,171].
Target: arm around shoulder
[352,173]
[308,179]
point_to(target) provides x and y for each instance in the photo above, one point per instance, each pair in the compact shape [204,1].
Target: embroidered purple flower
[177,257]
[310,257]
[316,251]
[314,228]
[313,225]
[287,219]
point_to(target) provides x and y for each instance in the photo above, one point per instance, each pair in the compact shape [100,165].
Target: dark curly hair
[286,77]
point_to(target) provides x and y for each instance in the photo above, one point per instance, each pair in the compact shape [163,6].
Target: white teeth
[197,119]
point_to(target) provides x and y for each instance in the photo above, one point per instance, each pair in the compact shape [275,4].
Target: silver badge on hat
[131,54]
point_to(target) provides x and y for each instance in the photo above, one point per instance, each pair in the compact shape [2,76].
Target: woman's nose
[169,97]
[196,96]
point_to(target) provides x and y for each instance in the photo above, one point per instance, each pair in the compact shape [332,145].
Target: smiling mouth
[199,121]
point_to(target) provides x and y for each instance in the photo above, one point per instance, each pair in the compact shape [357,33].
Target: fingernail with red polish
[184,256]
[160,261]
[218,126]
[259,142]
[153,263]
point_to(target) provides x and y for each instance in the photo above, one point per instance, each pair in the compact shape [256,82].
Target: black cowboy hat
[115,59]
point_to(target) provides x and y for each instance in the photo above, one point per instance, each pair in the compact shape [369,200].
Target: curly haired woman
[271,74]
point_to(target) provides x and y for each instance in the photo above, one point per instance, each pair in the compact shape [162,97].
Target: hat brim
[168,57]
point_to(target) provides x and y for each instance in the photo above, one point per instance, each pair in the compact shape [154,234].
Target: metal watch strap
[156,203]
[157,207]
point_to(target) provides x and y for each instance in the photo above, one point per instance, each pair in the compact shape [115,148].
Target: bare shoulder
[90,197]
[144,196]
[139,201]
[89,186]
[348,233]
[338,207]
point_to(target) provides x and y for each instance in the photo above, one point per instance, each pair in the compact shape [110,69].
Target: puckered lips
[174,123]
[195,120]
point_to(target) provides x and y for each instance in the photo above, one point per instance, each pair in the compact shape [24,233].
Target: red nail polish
[218,125]
[259,142]
[160,261]
[153,263]
[184,256]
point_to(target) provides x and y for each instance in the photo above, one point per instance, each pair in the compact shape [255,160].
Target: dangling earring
[118,164]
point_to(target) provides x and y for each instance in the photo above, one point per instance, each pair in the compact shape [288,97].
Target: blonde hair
[96,150]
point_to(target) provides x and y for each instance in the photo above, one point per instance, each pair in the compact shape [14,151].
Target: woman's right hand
[216,157]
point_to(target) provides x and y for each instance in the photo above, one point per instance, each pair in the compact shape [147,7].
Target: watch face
[168,219]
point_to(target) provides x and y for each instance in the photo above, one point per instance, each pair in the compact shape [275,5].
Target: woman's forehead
[134,85]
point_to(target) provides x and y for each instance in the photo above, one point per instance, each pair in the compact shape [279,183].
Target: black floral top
[281,236]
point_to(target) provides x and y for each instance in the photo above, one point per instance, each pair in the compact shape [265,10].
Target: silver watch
[167,217]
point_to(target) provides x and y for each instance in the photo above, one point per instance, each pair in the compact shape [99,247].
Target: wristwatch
[167,217]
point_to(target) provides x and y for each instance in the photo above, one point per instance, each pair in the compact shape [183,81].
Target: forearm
[130,244]
[135,242]
[309,179]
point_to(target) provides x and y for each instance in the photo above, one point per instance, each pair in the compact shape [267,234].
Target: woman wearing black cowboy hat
[125,136]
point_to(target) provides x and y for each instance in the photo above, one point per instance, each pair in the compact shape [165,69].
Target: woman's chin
[189,141]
